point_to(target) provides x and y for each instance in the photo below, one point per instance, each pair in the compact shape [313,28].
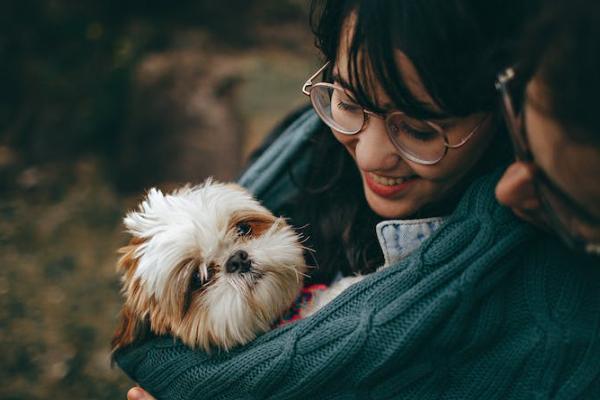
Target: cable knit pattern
[486,308]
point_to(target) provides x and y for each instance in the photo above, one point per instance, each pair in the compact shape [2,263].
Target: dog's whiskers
[185,267]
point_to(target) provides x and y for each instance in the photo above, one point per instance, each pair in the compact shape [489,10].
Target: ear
[128,261]
[130,329]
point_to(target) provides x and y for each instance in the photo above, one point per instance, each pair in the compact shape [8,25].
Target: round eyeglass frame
[307,90]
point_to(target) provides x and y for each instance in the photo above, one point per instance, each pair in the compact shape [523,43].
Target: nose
[515,189]
[373,148]
[239,261]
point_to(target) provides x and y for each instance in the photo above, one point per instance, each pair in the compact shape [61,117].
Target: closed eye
[402,127]
[347,106]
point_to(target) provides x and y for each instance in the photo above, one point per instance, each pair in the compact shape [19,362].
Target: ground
[60,227]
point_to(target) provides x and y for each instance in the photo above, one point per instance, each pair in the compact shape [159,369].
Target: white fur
[181,225]
[322,298]
[196,223]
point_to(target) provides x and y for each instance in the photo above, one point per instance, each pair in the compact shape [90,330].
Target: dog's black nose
[239,261]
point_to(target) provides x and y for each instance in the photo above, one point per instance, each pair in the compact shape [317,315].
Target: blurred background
[99,100]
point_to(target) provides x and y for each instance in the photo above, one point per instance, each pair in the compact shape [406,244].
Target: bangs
[367,71]
[330,20]
[377,69]
[456,50]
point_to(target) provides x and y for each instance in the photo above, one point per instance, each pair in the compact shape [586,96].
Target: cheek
[349,142]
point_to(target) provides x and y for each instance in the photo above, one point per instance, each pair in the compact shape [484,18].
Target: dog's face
[207,264]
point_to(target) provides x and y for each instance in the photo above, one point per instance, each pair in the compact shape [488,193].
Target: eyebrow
[446,123]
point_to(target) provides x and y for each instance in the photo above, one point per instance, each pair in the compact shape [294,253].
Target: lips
[388,186]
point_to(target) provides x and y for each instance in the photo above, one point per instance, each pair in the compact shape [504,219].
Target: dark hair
[457,47]
[562,48]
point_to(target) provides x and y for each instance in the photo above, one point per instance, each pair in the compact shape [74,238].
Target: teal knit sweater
[486,308]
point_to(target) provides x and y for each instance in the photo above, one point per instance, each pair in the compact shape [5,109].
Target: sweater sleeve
[365,343]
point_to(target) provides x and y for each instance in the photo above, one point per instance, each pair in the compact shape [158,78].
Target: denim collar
[399,238]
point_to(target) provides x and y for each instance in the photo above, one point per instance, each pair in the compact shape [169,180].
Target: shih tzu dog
[207,264]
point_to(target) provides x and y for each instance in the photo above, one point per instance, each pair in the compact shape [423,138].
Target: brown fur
[187,312]
[259,222]
[130,328]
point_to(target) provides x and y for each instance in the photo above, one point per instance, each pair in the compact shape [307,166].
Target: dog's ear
[128,261]
[130,329]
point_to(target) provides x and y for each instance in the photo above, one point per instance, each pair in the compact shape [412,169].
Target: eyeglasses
[421,141]
[564,216]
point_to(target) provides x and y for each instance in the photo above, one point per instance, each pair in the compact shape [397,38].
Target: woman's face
[398,188]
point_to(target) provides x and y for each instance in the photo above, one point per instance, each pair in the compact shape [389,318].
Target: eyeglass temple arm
[309,83]
[501,85]
[466,138]
[509,113]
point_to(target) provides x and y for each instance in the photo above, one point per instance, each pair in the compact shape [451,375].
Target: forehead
[376,89]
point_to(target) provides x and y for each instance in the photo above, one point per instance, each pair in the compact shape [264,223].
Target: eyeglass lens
[415,137]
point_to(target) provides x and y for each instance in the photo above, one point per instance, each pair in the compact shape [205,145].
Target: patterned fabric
[305,297]
[399,238]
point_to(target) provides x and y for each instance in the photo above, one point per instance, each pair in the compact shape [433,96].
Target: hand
[137,393]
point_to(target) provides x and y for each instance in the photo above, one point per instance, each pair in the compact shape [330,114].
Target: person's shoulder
[275,133]
[559,277]
[284,156]
[559,293]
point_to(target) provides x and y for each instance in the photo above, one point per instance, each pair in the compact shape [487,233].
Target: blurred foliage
[71,107]
[58,288]
[66,66]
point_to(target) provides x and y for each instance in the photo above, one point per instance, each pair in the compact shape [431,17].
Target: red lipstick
[385,190]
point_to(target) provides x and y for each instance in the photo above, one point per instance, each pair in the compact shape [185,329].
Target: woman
[482,308]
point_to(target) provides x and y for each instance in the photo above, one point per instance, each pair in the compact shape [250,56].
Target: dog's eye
[196,281]
[243,229]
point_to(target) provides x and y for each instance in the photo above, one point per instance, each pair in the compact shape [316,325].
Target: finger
[137,393]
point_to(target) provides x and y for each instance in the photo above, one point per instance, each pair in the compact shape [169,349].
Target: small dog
[207,264]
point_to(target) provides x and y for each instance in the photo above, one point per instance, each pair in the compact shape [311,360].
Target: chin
[206,264]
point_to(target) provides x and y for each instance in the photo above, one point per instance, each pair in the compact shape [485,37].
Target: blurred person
[550,100]
[474,303]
